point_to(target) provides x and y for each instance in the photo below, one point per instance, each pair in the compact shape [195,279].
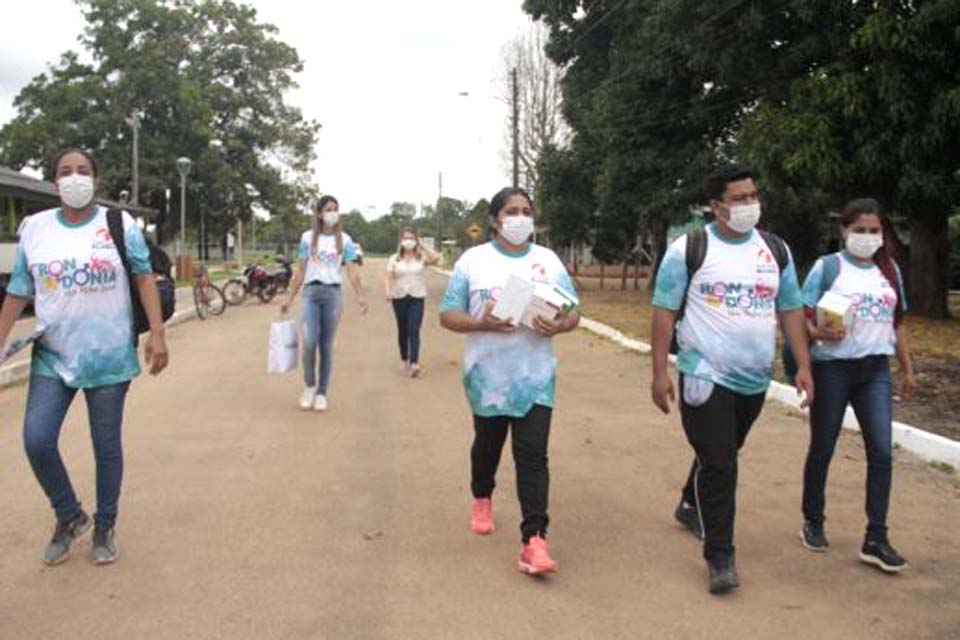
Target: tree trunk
[623,275]
[601,275]
[636,275]
[928,273]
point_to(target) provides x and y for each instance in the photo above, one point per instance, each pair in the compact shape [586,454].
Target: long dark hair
[318,224]
[885,257]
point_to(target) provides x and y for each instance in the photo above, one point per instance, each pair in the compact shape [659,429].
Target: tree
[539,99]
[565,200]
[881,118]
[200,74]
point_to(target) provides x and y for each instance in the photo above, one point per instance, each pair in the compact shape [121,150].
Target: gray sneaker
[105,549]
[63,536]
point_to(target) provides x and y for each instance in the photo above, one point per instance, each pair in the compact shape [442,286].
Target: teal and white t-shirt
[874,300]
[81,296]
[324,264]
[505,374]
[728,333]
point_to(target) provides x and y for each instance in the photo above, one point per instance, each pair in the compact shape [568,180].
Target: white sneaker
[320,404]
[308,397]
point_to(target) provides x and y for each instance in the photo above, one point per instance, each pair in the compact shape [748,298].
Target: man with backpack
[723,288]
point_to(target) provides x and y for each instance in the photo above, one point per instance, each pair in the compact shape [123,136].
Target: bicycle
[207,296]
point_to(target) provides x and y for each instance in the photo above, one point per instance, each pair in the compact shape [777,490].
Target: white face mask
[76,190]
[409,244]
[863,245]
[331,218]
[744,217]
[516,229]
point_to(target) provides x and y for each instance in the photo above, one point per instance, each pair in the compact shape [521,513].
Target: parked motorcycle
[280,278]
[255,282]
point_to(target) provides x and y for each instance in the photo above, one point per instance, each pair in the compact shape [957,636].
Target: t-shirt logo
[765,262]
[102,239]
[539,273]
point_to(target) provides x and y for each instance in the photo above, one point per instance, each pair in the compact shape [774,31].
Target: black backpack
[160,264]
[697,241]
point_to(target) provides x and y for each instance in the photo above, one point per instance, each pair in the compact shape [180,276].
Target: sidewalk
[243,517]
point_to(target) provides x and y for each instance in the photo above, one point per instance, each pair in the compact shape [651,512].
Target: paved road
[243,517]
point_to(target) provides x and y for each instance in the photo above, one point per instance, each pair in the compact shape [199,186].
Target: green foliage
[829,100]
[198,72]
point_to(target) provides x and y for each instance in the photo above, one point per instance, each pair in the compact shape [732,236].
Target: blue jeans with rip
[865,384]
[47,402]
[322,305]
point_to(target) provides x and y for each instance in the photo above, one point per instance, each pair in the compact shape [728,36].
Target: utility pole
[134,122]
[439,242]
[516,128]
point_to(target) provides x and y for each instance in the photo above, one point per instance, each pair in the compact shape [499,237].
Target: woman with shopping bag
[323,252]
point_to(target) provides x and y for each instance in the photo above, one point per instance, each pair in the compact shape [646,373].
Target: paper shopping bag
[282,354]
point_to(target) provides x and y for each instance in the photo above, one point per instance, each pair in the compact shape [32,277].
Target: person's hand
[362,303]
[155,353]
[661,390]
[388,296]
[908,384]
[285,308]
[489,322]
[829,334]
[549,328]
[804,383]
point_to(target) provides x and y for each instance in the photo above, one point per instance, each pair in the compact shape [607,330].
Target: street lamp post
[183,166]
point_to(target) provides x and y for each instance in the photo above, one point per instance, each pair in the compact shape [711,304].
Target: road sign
[474,231]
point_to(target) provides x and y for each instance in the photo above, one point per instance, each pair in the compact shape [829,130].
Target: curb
[928,446]
[20,371]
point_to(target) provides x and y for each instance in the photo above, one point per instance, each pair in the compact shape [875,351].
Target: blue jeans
[47,402]
[865,384]
[322,305]
[409,312]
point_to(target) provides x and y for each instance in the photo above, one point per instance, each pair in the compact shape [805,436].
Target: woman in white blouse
[406,288]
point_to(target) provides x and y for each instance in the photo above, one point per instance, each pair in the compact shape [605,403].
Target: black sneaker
[723,575]
[689,517]
[880,554]
[813,537]
[63,536]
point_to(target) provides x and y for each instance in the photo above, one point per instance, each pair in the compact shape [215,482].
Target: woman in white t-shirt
[851,366]
[323,251]
[69,264]
[510,368]
[406,289]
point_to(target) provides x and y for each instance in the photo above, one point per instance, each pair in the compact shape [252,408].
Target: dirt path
[243,517]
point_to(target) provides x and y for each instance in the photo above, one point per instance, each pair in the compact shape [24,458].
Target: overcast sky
[382,77]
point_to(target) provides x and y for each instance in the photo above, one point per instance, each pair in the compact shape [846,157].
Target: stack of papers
[521,301]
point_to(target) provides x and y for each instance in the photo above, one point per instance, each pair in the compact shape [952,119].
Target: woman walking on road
[509,370]
[852,365]
[69,264]
[406,288]
[323,250]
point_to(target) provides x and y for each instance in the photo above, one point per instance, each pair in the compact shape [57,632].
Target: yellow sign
[474,231]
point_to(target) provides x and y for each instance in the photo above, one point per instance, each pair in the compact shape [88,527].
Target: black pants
[716,430]
[409,312]
[530,436]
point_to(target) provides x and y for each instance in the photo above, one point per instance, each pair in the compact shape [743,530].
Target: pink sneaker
[535,559]
[482,520]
